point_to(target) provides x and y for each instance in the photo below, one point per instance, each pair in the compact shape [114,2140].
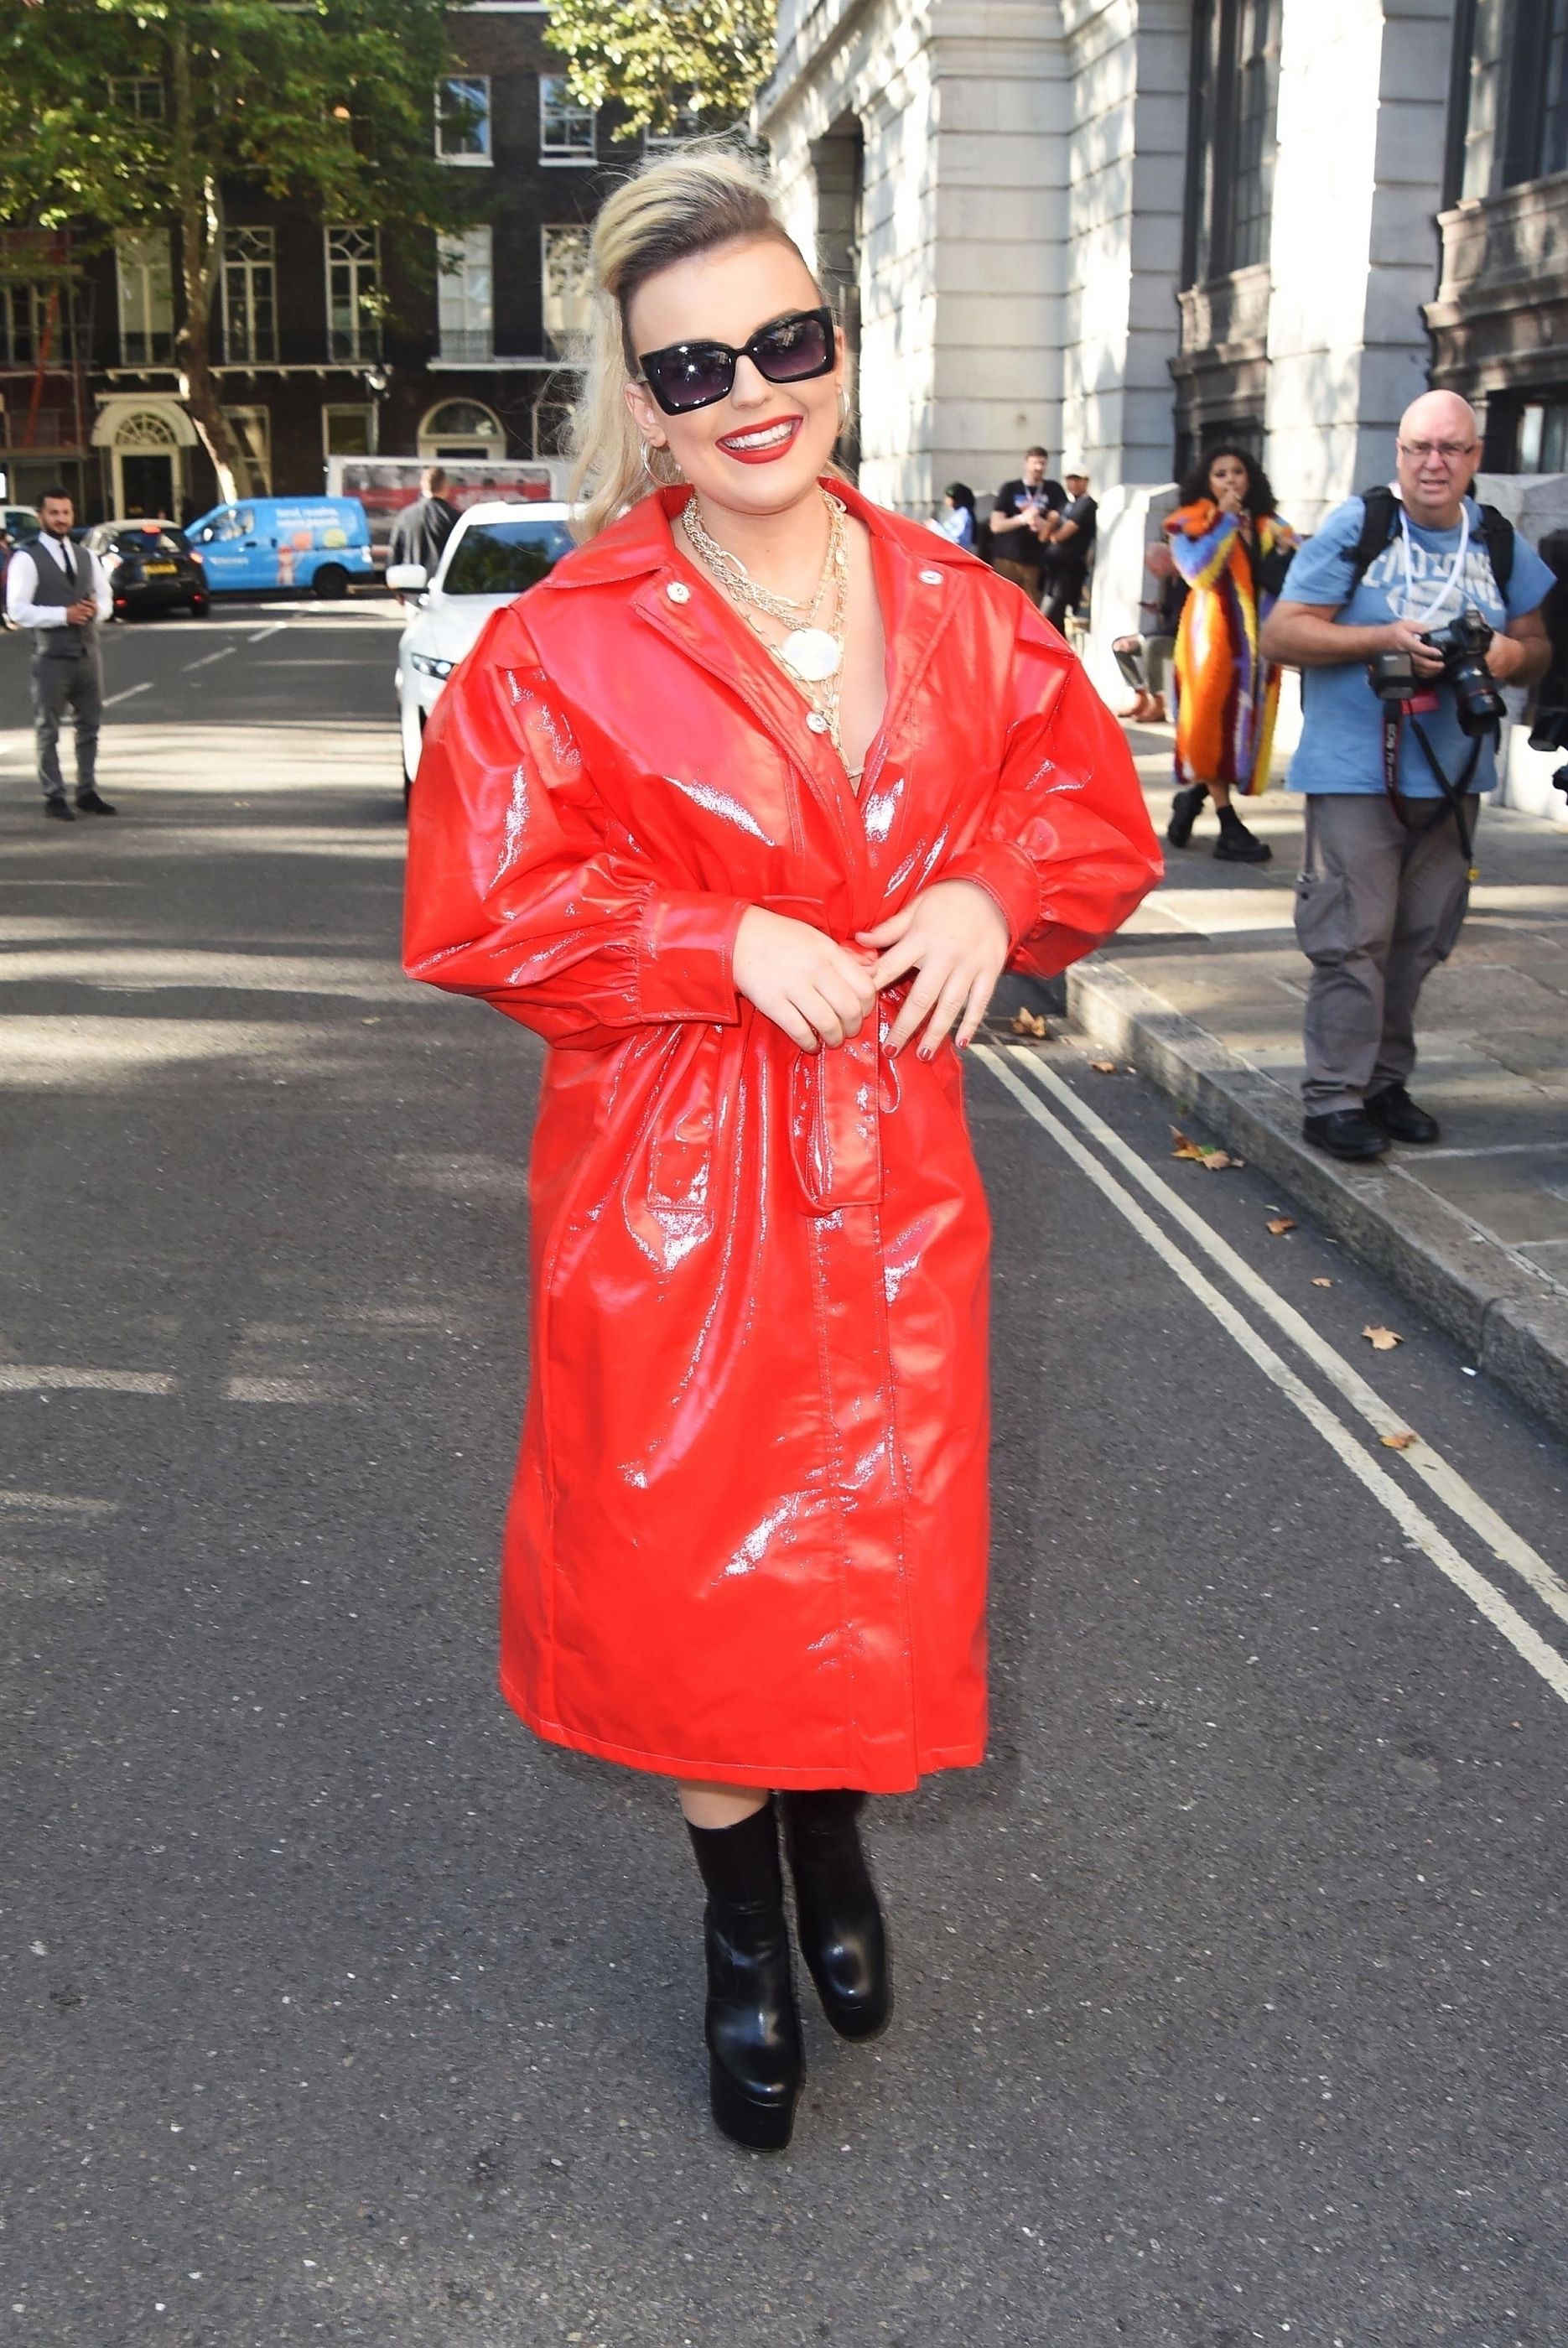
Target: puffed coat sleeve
[1066,847]
[522,887]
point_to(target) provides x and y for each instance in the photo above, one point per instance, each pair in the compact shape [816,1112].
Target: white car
[497,550]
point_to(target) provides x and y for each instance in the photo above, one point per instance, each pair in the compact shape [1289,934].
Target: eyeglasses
[1450,451]
[791,349]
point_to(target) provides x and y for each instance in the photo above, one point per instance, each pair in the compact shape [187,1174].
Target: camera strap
[1454,795]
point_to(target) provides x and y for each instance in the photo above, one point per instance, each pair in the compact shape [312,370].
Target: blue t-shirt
[1341,746]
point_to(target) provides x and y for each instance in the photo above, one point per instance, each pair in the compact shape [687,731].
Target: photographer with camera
[1405,612]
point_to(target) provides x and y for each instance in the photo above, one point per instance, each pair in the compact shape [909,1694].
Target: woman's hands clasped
[952,935]
[801,979]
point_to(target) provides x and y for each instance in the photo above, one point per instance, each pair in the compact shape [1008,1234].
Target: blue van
[318,543]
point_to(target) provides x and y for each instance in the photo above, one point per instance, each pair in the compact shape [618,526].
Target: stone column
[963,113]
[1127,149]
[1363,96]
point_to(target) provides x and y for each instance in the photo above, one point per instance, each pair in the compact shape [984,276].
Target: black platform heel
[843,1938]
[752,2025]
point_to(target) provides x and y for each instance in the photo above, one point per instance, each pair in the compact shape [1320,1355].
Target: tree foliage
[327,103]
[672,65]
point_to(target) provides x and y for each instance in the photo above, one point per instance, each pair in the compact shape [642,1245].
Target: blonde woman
[744,810]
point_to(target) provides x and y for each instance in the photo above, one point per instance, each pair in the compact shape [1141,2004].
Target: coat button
[931,578]
[678,591]
[816,721]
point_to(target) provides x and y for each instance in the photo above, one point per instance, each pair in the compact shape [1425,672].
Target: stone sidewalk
[1203,991]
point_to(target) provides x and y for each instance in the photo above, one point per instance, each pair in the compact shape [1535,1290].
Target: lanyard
[1456,568]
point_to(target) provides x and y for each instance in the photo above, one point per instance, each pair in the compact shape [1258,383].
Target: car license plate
[160,570]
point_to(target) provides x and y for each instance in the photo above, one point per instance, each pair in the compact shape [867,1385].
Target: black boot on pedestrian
[842,1937]
[59,810]
[1236,844]
[1347,1133]
[752,2025]
[1398,1116]
[1184,810]
[89,803]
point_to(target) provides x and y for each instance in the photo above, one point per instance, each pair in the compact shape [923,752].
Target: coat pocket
[681,1161]
[1324,927]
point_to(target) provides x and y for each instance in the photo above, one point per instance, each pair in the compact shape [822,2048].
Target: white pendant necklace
[810,654]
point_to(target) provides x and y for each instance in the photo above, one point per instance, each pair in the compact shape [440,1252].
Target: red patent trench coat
[748,1536]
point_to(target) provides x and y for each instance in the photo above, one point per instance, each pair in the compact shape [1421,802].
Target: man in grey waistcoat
[60,591]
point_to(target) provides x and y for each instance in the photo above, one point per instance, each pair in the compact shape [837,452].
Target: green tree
[671,64]
[329,102]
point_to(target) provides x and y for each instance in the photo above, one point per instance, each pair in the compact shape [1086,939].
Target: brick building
[476,362]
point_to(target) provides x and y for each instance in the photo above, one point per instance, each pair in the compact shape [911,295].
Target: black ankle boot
[753,2029]
[842,1937]
[1236,844]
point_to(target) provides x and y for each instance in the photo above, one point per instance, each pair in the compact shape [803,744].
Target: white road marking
[1488,1601]
[208,658]
[56,1504]
[243,1389]
[262,634]
[23,1377]
[130,690]
[1445,1482]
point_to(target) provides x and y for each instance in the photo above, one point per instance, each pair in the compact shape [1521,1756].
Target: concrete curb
[1513,1321]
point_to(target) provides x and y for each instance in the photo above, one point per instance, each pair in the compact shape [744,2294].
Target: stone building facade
[1126,227]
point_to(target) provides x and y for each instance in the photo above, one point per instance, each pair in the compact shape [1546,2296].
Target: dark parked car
[150,566]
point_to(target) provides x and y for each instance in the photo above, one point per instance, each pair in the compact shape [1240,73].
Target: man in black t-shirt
[1014,532]
[1065,552]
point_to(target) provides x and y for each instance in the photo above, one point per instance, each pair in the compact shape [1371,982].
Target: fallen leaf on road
[1029,1023]
[1385,1340]
[1105,1067]
[1321,1282]
[1278,1223]
[1401,1442]
[1216,1160]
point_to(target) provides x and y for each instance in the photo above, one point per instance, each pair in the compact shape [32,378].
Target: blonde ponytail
[705,195]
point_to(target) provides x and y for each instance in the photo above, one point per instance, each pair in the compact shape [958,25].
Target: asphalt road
[337,2009]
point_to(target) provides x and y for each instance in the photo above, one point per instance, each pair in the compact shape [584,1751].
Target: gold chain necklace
[812,656]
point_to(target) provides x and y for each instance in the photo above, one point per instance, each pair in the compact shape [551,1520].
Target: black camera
[1392,677]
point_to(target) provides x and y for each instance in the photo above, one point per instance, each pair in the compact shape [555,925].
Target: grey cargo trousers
[1378,904]
[62,683]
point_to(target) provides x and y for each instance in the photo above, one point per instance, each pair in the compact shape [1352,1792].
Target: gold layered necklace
[810,655]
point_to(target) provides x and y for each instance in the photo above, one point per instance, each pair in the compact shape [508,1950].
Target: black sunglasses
[791,349]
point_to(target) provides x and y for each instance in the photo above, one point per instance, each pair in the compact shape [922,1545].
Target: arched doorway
[457,429]
[146,439]
[839,164]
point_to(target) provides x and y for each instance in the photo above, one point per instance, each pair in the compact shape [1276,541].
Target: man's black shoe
[59,810]
[1184,810]
[1344,1133]
[89,803]
[1236,844]
[1395,1114]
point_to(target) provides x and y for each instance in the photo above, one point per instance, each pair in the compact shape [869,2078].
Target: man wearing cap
[61,591]
[1067,542]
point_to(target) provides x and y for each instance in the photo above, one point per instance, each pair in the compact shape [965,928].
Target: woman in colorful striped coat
[1232,550]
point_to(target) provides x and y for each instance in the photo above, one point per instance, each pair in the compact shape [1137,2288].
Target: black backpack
[1381,520]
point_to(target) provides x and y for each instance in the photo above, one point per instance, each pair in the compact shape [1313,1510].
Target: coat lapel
[917,591]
